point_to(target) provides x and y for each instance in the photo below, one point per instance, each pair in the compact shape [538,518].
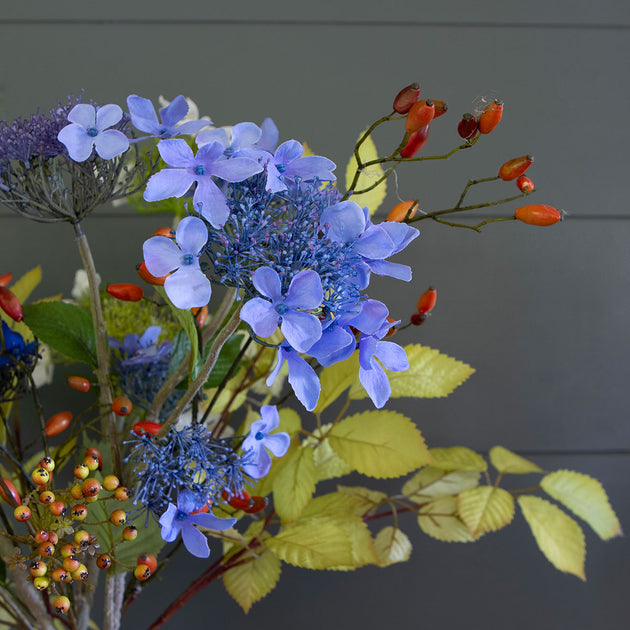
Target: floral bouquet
[217,390]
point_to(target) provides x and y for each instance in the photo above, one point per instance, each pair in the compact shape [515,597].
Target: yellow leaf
[313,545]
[485,509]
[294,485]
[510,463]
[336,379]
[431,483]
[558,536]
[363,499]
[368,177]
[22,289]
[586,498]
[328,464]
[392,545]
[380,443]
[439,520]
[264,486]
[457,458]
[430,375]
[249,582]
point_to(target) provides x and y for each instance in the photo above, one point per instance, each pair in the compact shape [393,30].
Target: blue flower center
[281,309]
[281,168]
[259,435]
[188,259]
[181,516]
[163,130]
[200,169]
[92,132]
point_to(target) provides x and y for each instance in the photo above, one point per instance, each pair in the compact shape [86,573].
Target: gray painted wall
[540,313]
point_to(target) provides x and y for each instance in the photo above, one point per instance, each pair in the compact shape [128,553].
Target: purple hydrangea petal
[278,443]
[170,527]
[210,521]
[83,114]
[343,221]
[270,134]
[336,344]
[244,135]
[301,330]
[187,501]
[367,348]
[371,317]
[107,116]
[213,135]
[149,337]
[267,282]
[376,384]
[269,418]
[194,541]
[400,233]
[210,202]
[303,379]
[375,243]
[305,291]
[190,127]
[77,142]
[169,182]
[235,169]
[311,167]
[393,270]
[161,255]
[260,466]
[191,235]
[176,152]
[275,183]
[282,355]
[188,287]
[110,143]
[392,356]
[288,151]
[174,111]
[142,114]
[261,316]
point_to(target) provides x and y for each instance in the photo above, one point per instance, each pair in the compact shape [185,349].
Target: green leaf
[293,487]
[432,483]
[249,582]
[457,458]
[336,379]
[586,498]
[430,375]
[379,443]
[369,176]
[507,462]
[65,327]
[313,545]
[180,348]
[392,545]
[557,535]
[439,519]
[226,358]
[485,509]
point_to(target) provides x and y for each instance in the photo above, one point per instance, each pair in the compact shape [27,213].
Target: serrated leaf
[392,545]
[363,549]
[439,519]
[431,374]
[485,509]
[586,498]
[364,499]
[293,487]
[457,458]
[379,443]
[557,535]
[507,462]
[369,176]
[249,582]
[65,327]
[432,483]
[335,380]
[314,545]
[328,464]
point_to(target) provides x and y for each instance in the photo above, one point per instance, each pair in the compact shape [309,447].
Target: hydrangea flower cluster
[17,360]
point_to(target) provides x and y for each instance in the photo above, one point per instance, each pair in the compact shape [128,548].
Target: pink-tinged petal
[288,151]
[376,384]
[259,467]
[267,283]
[244,135]
[269,415]
[176,152]
[210,202]
[110,143]
[169,182]
[83,114]
[188,287]
[278,443]
[194,541]
[212,135]
[305,291]
[301,330]
[77,142]
[303,379]
[210,521]
[392,356]
[161,255]
[142,113]
[191,235]
[261,316]
[107,116]
[236,169]
[174,111]
[170,527]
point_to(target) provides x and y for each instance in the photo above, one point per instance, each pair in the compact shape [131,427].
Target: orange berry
[441,107]
[90,487]
[68,550]
[61,604]
[48,463]
[140,428]
[76,492]
[201,314]
[406,98]
[79,512]
[165,231]
[5,279]
[58,508]
[403,210]
[12,491]
[81,471]
[41,535]
[38,568]
[525,185]
[467,127]
[420,114]
[111,482]
[22,513]
[46,549]
[491,116]
[122,493]
[94,452]
[149,560]
[515,168]
[130,532]
[258,504]
[71,564]
[538,214]
[91,461]
[416,141]
[118,518]
[148,277]
[142,572]
[78,383]
[104,561]
[47,497]
[53,539]
[40,476]
[58,423]
[122,406]
[427,301]
[126,292]
[80,574]
[60,575]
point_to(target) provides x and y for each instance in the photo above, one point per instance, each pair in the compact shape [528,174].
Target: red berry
[104,561]
[403,210]
[258,504]
[10,304]
[467,127]
[58,423]
[491,116]
[41,535]
[240,501]
[406,98]
[415,142]
[441,107]
[58,508]
[140,428]
[79,383]
[515,168]
[148,277]
[122,406]
[538,214]
[525,185]
[419,115]
[417,319]
[200,314]
[5,279]
[427,301]
[149,560]
[126,292]
[165,231]
[12,491]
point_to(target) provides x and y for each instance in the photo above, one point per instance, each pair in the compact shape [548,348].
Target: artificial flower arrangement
[212,416]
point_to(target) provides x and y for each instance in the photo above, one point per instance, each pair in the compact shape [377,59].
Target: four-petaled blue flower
[305,292]
[90,129]
[188,287]
[14,348]
[179,518]
[145,119]
[259,441]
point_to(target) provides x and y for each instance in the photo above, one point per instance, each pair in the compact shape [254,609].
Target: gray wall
[540,313]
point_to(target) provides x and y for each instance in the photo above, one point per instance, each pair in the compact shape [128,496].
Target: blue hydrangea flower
[259,441]
[17,360]
[244,136]
[300,329]
[269,135]
[189,169]
[89,129]
[179,519]
[145,119]
[188,287]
